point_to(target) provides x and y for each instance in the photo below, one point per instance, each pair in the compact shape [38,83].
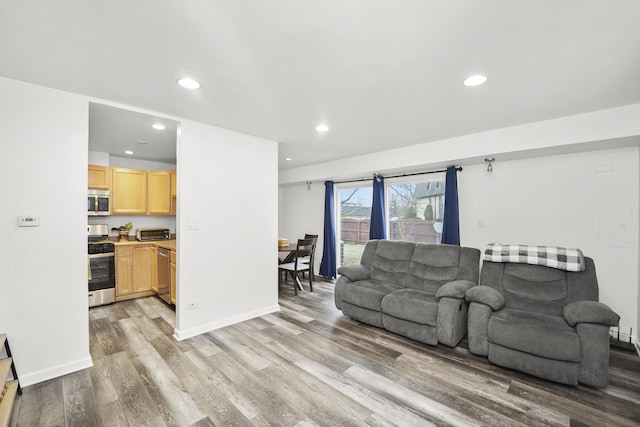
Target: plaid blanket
[568,259]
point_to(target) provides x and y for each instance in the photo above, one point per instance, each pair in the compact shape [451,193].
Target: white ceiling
[114,131]
[380,74]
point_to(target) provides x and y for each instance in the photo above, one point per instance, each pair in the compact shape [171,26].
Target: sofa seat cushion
[368,293]
[534,333]
[411,304]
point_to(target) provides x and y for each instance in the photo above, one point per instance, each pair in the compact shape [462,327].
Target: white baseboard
[54,372]
[188,333]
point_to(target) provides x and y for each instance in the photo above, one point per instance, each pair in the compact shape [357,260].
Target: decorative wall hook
[308,185]
[489,160]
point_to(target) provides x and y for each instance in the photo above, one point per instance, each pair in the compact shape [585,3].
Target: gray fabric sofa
[412,289]
[542,321]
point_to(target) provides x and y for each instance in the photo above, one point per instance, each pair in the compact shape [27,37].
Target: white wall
[43,308]
[551,200]
[147,165]
[227,228]
[563,201]
[301,212]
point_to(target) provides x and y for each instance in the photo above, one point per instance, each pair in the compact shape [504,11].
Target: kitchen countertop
[169,244]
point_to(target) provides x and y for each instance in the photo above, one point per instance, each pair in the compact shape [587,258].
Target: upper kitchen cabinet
[159,192]
[129,192]
[174,192]
[100,177]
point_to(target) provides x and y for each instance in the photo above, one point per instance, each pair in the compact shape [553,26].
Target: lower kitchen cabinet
[141,268]
[154,269]
[134,271]
[124,271]
[172,266]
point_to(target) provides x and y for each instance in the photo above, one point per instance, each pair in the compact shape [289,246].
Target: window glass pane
[416,211]
[355,217]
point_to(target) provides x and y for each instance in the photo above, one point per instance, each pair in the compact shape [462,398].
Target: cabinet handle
[161,254]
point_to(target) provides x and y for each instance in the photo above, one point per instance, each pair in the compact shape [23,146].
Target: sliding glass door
[354,218]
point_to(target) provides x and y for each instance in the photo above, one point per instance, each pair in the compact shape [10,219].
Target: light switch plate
[28,220]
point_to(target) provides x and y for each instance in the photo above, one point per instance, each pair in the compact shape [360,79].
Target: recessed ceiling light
[128,152]
[475,80]
[322,128]
[188,83]
[158,126]
[288,159]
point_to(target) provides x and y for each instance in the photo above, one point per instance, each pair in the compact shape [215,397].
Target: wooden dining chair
[309,260]
[304,248]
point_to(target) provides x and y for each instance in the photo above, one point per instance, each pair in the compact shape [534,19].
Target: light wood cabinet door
[99,177]
[129,192]
[124,271]
[141,268]
[159,192]
[173,283]
[172,266]
[174,193]
[154,269]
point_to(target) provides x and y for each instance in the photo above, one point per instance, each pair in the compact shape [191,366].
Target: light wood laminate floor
[305,365]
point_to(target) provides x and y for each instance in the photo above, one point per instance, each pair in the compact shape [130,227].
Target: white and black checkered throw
[568,259]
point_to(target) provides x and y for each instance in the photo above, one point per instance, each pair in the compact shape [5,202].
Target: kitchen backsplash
[139,221]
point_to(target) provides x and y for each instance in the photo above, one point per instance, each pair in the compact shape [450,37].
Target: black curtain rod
[459,169]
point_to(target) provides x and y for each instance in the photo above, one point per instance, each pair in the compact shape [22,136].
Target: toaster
[150,234]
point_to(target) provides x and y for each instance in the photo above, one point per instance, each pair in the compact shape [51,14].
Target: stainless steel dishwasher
[164,275]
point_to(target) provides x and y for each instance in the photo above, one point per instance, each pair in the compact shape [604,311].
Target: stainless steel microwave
[99,203]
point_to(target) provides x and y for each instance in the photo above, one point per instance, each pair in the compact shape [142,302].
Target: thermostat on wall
[28,220]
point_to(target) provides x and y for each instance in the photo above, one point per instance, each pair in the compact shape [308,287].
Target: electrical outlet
[192,305]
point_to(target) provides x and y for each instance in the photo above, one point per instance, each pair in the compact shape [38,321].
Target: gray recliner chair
[542,321]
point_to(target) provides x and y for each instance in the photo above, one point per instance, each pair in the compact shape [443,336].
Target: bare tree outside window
[415,209]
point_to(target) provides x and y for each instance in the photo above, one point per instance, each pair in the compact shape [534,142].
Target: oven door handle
[110,254]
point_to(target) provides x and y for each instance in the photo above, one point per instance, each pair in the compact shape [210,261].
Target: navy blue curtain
[451,226]
[328,264]
[378,226]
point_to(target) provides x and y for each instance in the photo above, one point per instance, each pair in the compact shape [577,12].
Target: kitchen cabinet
[124,271]
[129,192]
[174,188]
[172,266]
[159,192]
[141,268]
[99,177]
[138,192]
[154,269]
[174,192]
[134,271]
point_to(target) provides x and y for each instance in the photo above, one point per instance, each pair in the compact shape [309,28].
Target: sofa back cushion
[368,253]
[434,265]
[540,289]
[391,260]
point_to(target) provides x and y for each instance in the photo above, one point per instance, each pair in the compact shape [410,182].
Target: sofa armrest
[454,289]
[485,295]
[354,272]
[590,312]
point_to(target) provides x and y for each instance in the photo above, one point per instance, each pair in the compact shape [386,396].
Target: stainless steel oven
[98,203]
[101,266]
